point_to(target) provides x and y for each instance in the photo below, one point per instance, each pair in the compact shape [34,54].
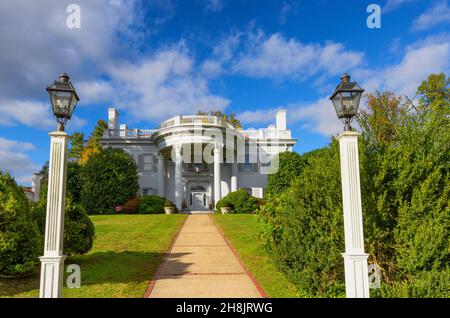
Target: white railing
[128,133]
[195,120]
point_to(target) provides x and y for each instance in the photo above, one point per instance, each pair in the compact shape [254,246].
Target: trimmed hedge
[242,202]
[20,240]
[152,204]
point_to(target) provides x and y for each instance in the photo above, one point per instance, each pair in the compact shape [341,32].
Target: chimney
[113,119]
[36,185]
[281,119]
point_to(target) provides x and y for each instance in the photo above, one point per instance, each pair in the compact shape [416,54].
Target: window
[148,163]
[145,163]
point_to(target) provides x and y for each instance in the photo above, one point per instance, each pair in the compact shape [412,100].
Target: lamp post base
[356,275]
[52,273]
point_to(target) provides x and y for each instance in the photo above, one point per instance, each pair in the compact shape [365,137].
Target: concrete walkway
[201,264]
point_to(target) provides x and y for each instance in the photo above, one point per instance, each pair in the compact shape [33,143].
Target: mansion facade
[196,160]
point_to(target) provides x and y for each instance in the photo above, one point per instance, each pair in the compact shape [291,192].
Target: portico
[195,161]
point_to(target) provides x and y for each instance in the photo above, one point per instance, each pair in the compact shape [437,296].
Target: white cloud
[15,160]
[32,114]
[278,58]
[420,60]
[162,85]
[319,116]
[258,116]
[439,14]
[26,112]
[7,144]
[40,46]
[94,91]
[392,5]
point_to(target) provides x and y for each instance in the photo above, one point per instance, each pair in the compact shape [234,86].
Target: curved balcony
[195,120]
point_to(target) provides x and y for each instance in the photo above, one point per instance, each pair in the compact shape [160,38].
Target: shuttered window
[145,163]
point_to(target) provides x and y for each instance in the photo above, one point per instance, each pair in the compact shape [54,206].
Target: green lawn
[243,231]
[127,252]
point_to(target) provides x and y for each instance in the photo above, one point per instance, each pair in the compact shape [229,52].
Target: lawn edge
[237,255]
[152,283]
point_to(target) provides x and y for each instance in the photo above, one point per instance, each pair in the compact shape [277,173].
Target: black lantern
[346,99]
[64,98]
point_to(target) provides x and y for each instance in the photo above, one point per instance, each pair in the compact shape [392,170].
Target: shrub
[20,240]
[290,165]
[405,185]
[152,204]
[73,186]
[74,181]
[241,201]
[132,205]
[305,231]
[110,179]
[428,284]
[79,231]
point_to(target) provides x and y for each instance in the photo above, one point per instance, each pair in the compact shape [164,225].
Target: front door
[198,201]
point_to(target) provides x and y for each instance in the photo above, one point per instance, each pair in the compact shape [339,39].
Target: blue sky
[155,59]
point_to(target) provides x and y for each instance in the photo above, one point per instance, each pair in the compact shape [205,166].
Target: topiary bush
[20,240]
[152,204]
[79,231]
[241,201]
[110,179]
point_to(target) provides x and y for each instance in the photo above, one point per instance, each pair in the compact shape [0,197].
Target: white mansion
[197,160]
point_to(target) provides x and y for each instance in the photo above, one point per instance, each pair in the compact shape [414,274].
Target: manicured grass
[243,231]
[127,252]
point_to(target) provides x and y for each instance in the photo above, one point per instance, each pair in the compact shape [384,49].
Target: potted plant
[169,207]
[226,207]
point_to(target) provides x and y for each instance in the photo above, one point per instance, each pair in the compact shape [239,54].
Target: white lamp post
[346,99]
[63,99]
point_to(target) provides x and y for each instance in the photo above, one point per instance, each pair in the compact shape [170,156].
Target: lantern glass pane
[356,100]
[62,103]
[337,105]
[347,103]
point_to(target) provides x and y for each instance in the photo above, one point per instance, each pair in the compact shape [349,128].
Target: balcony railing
[128,133]
[195,120]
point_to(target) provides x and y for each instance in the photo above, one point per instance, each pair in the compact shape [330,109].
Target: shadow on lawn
[99,268]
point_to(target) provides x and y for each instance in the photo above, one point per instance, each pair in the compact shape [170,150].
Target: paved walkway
[201,264]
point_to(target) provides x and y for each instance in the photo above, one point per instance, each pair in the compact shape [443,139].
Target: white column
[52,263]
[355,260]
[217,177]
[234,180]
[161,176]
[178,176]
